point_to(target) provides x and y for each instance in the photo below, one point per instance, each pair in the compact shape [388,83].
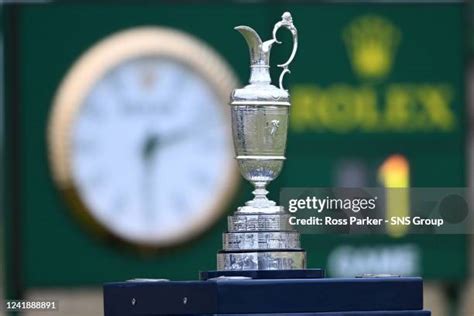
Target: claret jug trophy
[259,236]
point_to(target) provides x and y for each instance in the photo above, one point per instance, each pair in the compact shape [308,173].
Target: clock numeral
[93,110]
[138,108]
[202,179]
[181,203]
[95,181]
[84,146]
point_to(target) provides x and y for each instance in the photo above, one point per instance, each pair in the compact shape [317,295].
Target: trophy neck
[260,74]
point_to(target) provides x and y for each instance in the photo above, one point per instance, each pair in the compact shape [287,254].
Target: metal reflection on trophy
[259,236]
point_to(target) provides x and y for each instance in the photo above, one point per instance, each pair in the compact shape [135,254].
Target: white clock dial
[150,154]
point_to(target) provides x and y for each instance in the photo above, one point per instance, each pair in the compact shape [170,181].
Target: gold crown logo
[371,42]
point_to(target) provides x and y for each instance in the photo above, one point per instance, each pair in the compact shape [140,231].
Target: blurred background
[117,153]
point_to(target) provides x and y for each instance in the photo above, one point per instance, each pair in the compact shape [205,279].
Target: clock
[139,137]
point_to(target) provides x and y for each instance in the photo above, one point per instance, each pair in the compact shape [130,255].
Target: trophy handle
[287,22]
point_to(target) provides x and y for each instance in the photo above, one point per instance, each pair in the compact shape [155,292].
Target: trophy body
[259,236]
[260,140]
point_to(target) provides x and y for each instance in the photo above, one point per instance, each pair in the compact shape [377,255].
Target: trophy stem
[260,191]
[260,199]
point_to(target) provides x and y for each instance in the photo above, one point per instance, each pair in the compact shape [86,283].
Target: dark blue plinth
[299,296]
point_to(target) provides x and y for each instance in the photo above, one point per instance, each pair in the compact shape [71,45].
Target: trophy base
[249,209]
[260,239]
[259,222]
[288,259]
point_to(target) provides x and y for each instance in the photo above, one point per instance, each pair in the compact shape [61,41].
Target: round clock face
[141,142]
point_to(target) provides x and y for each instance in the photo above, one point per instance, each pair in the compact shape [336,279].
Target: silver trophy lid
[260,91]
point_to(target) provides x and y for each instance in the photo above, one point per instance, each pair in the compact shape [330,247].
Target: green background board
[57,251]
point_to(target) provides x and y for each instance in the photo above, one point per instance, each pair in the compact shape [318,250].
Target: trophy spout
[259,55]
[260,51]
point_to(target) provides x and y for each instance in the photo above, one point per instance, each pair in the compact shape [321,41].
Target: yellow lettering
[436,100]
[402,108]
[337,109]
[399,108]
[365,103]
[305,103]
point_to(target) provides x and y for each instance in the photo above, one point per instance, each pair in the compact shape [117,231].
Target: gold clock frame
[91,67]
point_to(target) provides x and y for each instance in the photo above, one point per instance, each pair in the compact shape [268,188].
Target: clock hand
[149,149]
[181,135]
[174,137]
